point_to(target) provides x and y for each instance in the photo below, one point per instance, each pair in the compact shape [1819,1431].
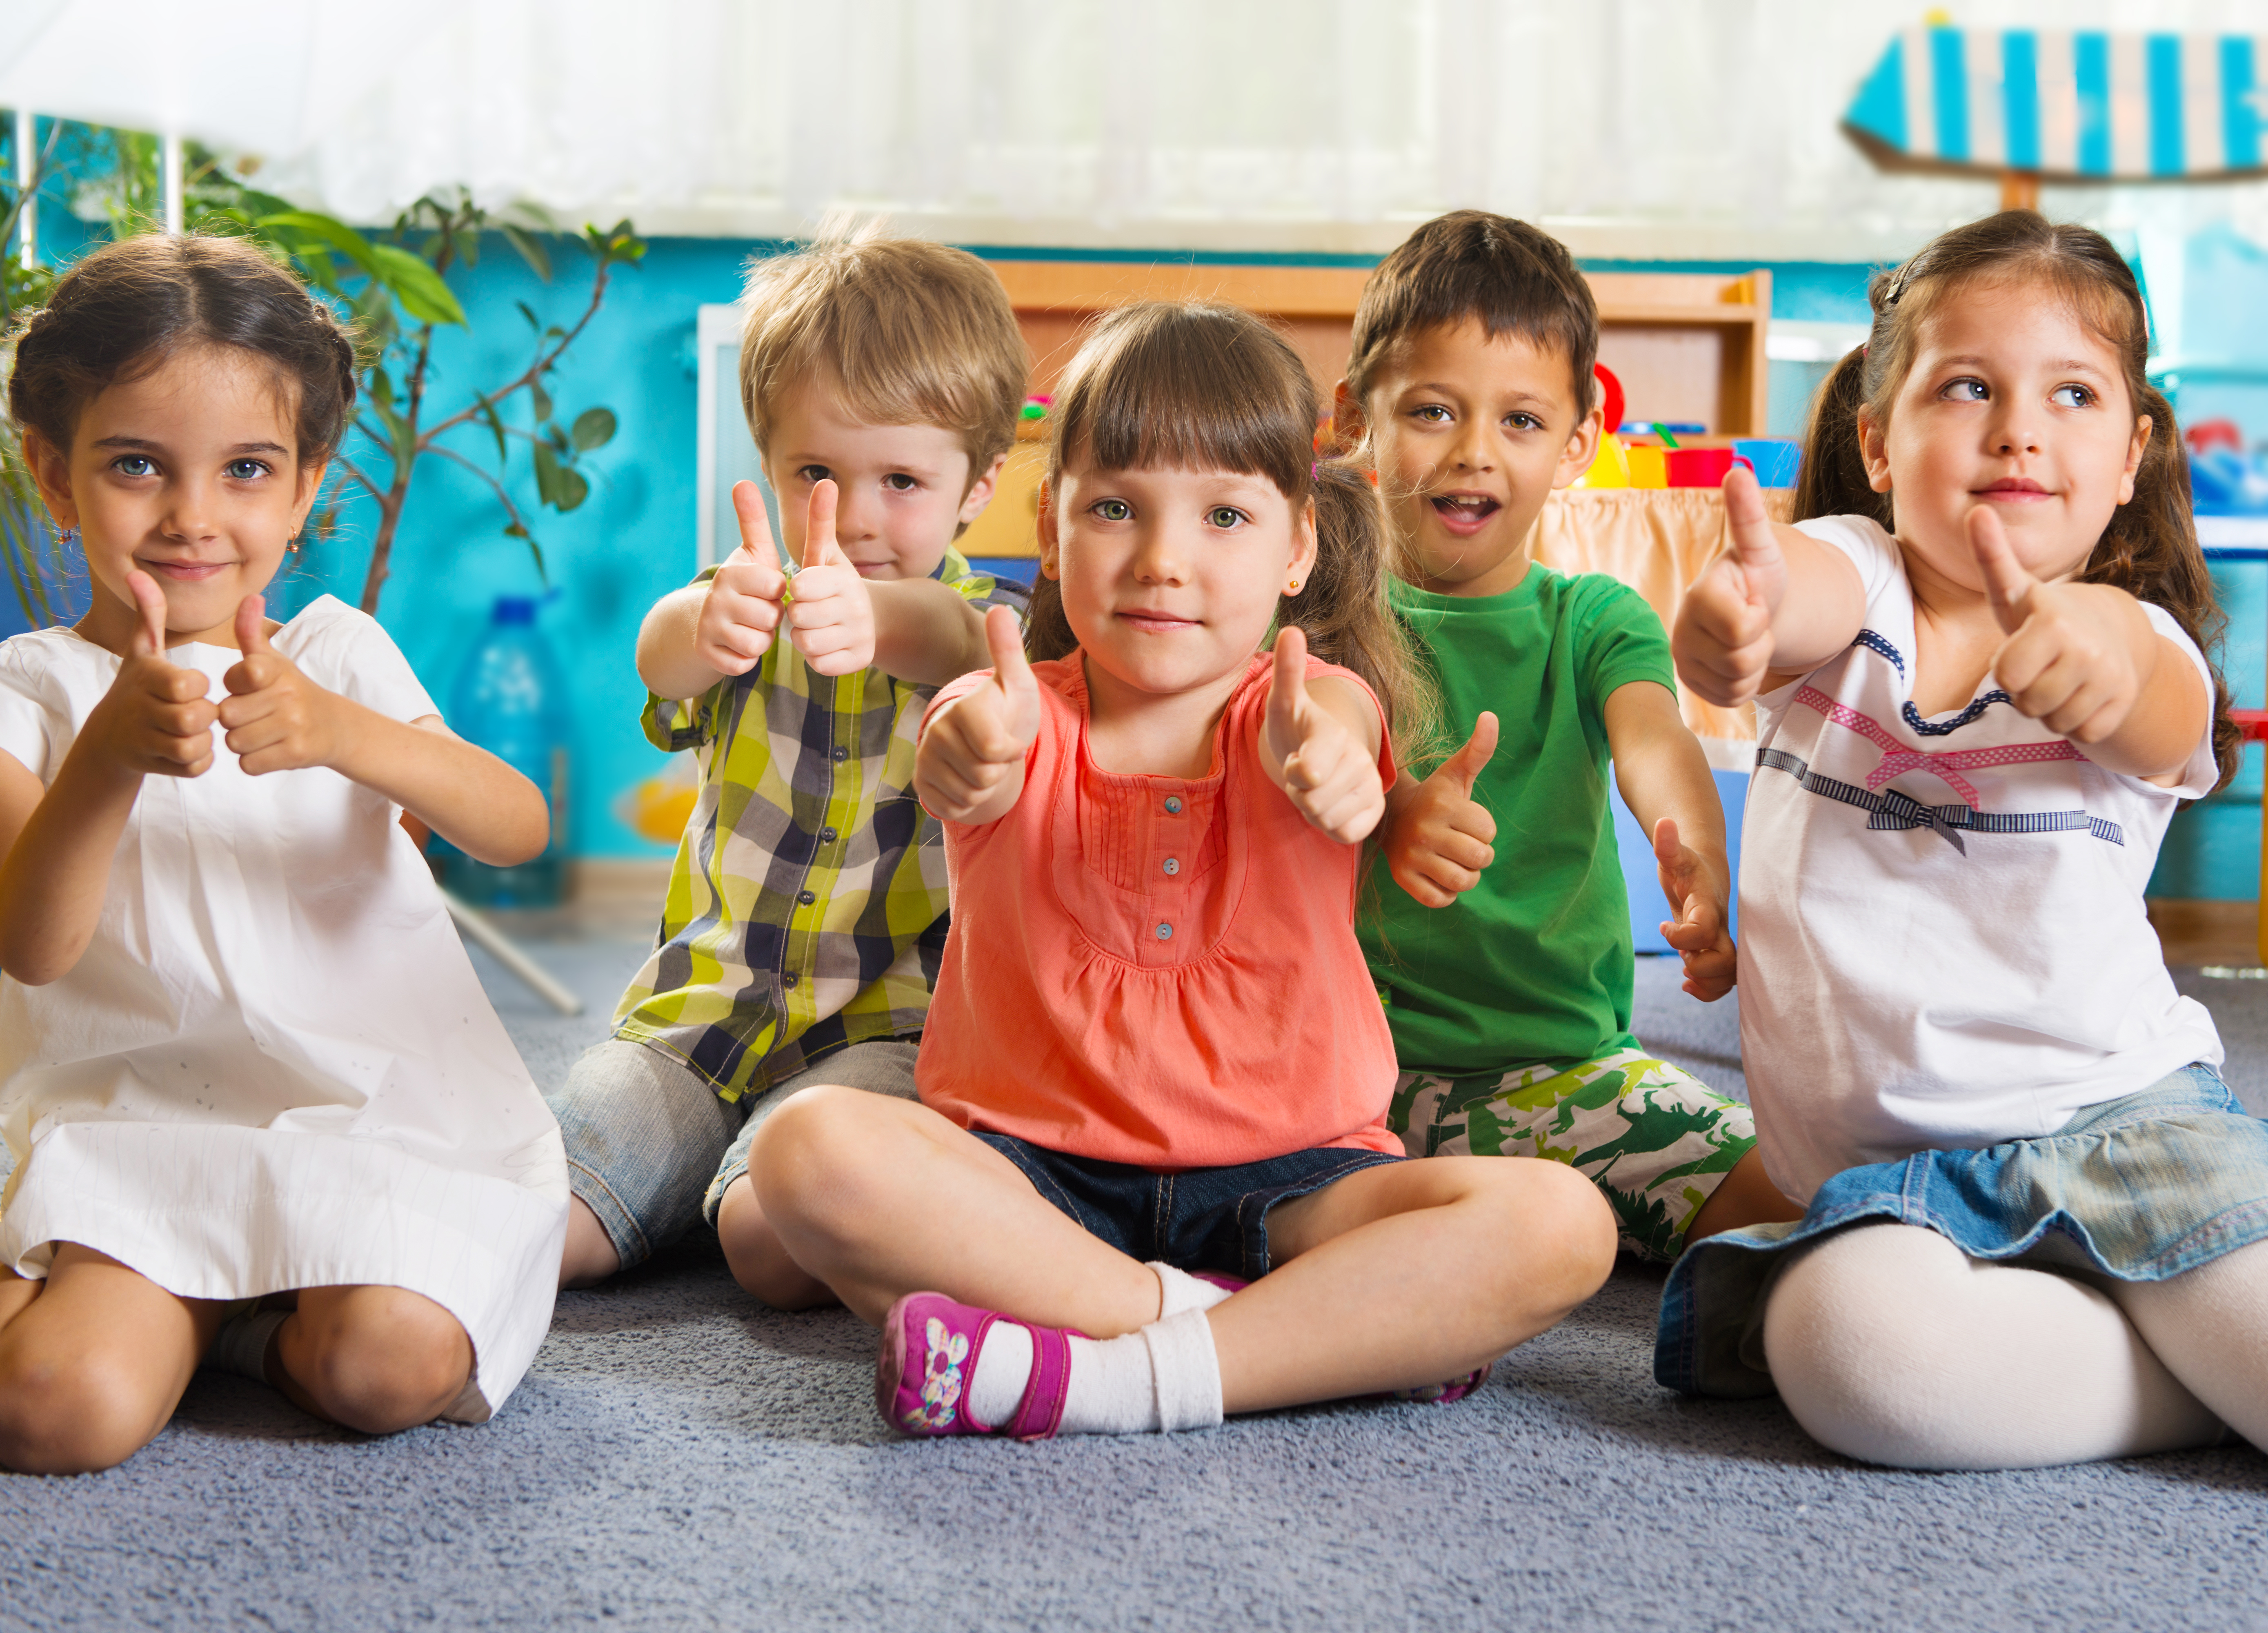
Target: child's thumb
[150,601]
[2007,583]
[1011,670]
[1287,691]
[1754,542]
[1666,847]
[755,521]
[252,625]
[1465,767]
[819,546]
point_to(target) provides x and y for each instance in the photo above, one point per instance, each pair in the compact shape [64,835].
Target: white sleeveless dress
[273,1067]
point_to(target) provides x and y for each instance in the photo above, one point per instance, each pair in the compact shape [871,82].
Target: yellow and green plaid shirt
[807,907]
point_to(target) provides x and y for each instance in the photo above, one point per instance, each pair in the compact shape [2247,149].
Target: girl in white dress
[242,1053]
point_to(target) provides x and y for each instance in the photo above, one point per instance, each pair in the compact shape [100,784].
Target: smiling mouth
[1464,507]
[187,570]
[2013,487]
[1157,622]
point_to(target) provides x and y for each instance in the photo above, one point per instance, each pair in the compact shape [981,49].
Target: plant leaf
[531,249]
[594,428]
[528,312]
[543,400]
[495,424]
[416,285]
[548,472]
[574,487]
[326,229]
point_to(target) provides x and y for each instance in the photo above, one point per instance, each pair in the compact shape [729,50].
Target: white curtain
[1642,127]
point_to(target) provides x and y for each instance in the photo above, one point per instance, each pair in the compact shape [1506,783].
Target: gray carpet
[679,1457]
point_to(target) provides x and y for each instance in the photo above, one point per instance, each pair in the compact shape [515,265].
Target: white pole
[27,219]
[172,184]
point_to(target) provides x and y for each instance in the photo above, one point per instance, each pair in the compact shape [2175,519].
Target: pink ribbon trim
[1898,759]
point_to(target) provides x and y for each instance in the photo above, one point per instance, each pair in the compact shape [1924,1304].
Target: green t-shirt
[1533,964]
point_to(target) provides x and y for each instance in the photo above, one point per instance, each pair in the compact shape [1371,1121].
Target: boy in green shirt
[1506,969]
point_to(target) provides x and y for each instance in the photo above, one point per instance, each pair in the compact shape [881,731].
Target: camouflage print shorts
[1653,1138]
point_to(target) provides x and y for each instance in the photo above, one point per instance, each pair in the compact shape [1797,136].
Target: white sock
[1165,1377]
[1179,1290]
[240,1346]
[1891,1345]
[1004,1366]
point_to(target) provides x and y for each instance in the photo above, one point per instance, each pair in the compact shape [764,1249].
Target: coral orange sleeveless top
[1154,971]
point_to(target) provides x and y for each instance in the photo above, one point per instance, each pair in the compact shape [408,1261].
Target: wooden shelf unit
[1686,346]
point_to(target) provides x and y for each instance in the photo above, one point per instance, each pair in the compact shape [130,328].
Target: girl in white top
[242,1050]
[1980,696]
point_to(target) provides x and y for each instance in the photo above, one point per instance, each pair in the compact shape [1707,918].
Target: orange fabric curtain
[1656,540]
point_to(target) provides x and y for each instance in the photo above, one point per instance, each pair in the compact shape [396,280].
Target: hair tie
[1315,471]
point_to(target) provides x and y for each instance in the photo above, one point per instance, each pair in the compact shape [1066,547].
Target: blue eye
[134,465]
[2071,397]
[1111,510]
[246,470]
[1966,390]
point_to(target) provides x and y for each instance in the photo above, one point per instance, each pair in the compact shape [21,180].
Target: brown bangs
[1187,386]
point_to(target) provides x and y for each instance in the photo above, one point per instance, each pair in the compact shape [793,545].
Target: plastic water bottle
[511,698]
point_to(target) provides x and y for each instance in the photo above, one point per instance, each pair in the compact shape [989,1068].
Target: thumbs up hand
[830,612]
[1329,774]
[1723,640]
[278,719]
[970,765]
[2077,655]
[1440,840]
[156,719]
[1697,899]
[741,615]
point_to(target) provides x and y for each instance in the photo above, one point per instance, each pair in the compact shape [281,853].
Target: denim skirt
[2138,1189]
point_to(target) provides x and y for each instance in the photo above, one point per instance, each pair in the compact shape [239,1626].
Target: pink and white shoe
[929,1354]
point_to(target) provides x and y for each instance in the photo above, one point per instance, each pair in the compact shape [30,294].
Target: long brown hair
[2150,549]
[1198,385]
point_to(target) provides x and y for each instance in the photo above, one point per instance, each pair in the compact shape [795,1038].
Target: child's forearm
[57,872]
[1825,605]
[926,632]
[462,793]
[666,659]
[1662,771]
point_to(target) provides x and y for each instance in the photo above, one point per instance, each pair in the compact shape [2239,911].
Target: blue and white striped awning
[2068,103]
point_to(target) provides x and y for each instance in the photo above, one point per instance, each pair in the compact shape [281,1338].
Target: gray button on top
[807,898]
[1173,805]
[840,754]
[826,835]
[788,980]
[1173,866]
[1165,933]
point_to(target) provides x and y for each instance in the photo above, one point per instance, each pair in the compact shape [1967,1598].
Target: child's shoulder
[346,650]
[39,661]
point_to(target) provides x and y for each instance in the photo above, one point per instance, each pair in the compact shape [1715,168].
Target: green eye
[1113,510]
[1224,516]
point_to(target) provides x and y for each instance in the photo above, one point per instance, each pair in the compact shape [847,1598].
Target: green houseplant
[394,284]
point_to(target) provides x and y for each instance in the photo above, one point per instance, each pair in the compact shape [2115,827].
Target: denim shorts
[2138,1190]
[651,1147]
[1198,1219]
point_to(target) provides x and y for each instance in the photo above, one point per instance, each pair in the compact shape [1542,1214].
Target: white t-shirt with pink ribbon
[1942,938]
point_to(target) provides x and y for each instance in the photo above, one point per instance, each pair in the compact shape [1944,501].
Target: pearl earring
[1291,588]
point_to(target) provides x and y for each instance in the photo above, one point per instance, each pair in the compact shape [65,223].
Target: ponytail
[1832,479]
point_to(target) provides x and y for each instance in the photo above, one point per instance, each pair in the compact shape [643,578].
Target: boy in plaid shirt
[806,908]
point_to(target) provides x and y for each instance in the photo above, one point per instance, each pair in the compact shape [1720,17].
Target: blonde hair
[906,332]
[1198,384]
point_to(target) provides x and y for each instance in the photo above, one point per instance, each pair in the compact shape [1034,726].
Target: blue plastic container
[1774,462]
[511,698]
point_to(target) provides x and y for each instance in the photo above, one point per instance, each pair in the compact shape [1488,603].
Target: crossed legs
[1891,1345]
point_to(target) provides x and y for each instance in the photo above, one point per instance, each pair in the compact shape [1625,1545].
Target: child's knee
[1564,1231]
[384,1360]
[758,1260]
[70,1414]
[807,1162]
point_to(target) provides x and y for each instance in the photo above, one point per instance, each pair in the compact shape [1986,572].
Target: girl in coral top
[1149,1181]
